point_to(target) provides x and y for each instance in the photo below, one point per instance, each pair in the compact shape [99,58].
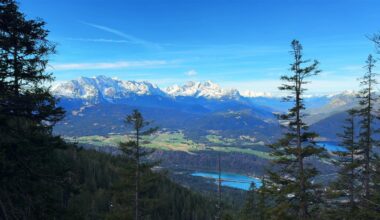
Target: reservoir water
[331,146]
[232,180]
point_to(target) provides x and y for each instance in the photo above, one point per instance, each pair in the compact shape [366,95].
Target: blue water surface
[232,180]
[331,146]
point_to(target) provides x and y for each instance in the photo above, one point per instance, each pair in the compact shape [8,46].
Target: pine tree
[346,187]
[367,99]
[140,167]
[292,178]
[375,201]
[32,171]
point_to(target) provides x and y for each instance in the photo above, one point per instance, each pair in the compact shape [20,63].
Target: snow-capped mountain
[206,89]
[194,106]
[109,88]
[252,94]
[104,87]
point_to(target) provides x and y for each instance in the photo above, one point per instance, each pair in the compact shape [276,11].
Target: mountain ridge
[87,87]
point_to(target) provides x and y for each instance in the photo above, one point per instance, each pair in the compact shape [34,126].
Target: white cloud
[191,73]
[107,65]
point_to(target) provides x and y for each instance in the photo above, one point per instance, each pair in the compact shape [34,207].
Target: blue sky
[238,44]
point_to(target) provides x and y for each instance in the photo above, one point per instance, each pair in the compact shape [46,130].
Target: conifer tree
[31,172]
[346,187]
[375,201]
[140,167]
[292,178]
[366,111]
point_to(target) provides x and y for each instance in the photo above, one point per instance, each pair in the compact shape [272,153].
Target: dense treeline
[98,192]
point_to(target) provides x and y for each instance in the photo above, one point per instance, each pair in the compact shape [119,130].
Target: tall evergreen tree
[367,99]
[292,178]
[346,187]
[140,167]
[31,170]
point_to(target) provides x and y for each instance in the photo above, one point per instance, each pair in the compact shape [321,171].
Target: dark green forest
[44,177]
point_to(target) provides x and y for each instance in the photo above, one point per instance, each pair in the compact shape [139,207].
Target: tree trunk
[137,179]
[303,206]
[352,197]
[368,146]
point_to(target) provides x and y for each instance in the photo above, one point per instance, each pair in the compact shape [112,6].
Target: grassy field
[162,141]
[171,141]
[257,153]
[215,139]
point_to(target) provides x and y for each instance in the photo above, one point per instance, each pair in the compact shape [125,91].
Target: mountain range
[102,87]
[97,106]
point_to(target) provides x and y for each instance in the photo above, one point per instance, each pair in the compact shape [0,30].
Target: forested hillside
[102,191]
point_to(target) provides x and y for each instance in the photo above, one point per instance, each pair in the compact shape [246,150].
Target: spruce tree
[367,99]
[32,169]
[375,201]
[140,169]
[345,190]
[292,178]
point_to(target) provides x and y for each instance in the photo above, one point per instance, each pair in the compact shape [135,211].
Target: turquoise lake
[232,180]
[331,146]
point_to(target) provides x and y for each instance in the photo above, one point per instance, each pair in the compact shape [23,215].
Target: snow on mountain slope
[206,89]
[108,88]
[102,87]
[105,87]
[252,94]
